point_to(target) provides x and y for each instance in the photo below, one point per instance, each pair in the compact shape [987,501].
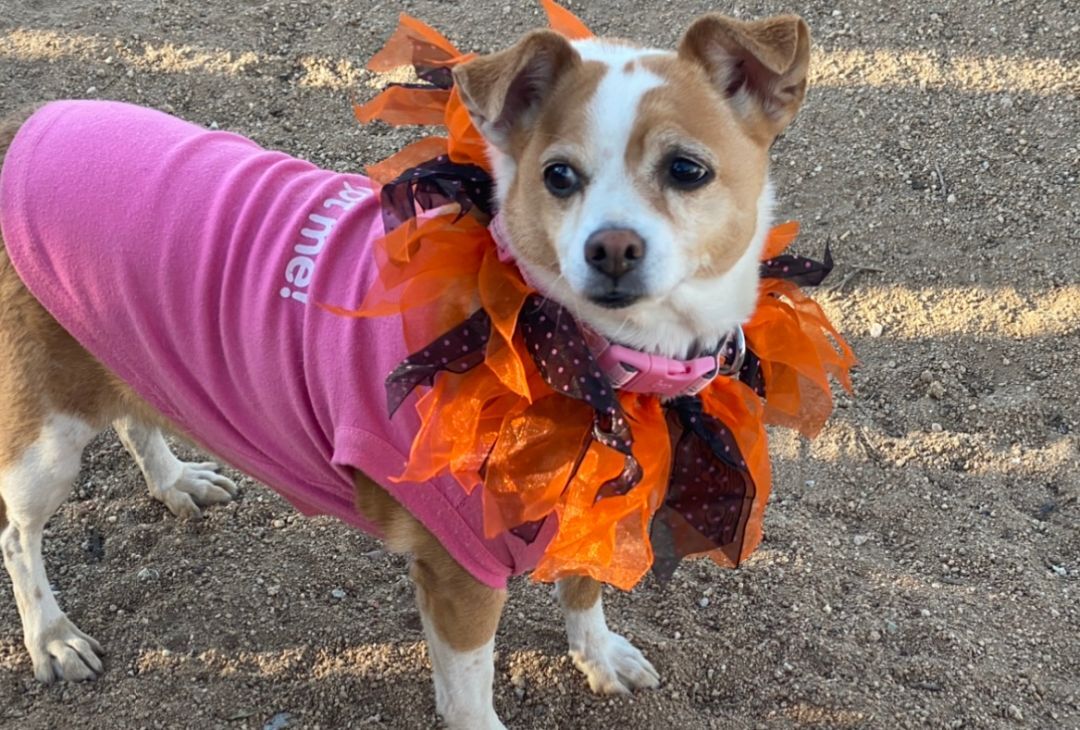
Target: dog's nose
[614,251]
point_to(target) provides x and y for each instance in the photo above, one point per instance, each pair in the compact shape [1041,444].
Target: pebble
[277,524]
[924,612]
[876,329]
[703,602]
[1014,713]
[338,593]
[148,574]
[273,590]
[936,427]
[280,721]
[891,627]
[936,390]
[860,540]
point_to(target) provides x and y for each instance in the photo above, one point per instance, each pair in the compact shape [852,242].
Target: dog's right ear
[504,91]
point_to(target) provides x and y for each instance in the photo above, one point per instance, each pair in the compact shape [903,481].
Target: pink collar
[642,372]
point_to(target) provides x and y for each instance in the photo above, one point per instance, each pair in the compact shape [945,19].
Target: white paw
[199,485]
[63,652]
[613,665]
[489,721]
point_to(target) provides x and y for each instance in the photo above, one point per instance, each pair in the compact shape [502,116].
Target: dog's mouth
[615,293]
[615,299]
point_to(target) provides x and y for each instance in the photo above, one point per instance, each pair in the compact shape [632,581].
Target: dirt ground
[922,560]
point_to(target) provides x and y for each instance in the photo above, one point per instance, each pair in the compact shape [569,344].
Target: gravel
[936,515]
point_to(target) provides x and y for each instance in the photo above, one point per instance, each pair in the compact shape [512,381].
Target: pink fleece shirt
[190,263]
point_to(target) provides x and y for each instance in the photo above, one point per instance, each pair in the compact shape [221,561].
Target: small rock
[936,427]
[1014,713]
[951,199]
[936,390]
[860,540]
[273,590]
[338,594]
[280,721]
[703,602]
[891,627]
[874,636]
[147,574]
[924,612]
[277,524]
[876,329]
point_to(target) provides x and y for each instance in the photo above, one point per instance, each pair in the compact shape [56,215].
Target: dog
[633,185]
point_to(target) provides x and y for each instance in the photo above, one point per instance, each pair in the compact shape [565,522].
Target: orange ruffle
[798,348]
[562,20]
[500,426]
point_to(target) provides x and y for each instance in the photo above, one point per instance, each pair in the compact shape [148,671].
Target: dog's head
[633,181]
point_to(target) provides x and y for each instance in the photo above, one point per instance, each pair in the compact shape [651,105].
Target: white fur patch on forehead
[614,107]
[613,53]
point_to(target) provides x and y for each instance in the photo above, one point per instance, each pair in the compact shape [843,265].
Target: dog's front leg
[460,616]
[459,613]
[611,663]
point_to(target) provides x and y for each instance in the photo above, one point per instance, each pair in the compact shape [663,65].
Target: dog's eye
[561,180]
[686,174]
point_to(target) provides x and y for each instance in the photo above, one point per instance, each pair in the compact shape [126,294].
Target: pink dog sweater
[191,263]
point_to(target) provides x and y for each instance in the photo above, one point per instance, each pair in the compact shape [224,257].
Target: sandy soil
[922,561]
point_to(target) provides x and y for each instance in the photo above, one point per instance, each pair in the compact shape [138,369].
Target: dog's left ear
[760,66]
[504,91]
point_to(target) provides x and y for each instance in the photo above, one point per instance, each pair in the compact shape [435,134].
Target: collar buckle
[641,372]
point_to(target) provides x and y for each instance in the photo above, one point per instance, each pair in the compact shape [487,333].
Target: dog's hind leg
[611,663]
[33,486]
[181,486]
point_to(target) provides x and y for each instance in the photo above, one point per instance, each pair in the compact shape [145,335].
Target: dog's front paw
[612,664]
[199,485]
[489,721]
[62,652]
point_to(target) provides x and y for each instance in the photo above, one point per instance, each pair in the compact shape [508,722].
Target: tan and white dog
[634,186]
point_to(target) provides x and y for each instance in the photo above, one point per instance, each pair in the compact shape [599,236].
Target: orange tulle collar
[635,483]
